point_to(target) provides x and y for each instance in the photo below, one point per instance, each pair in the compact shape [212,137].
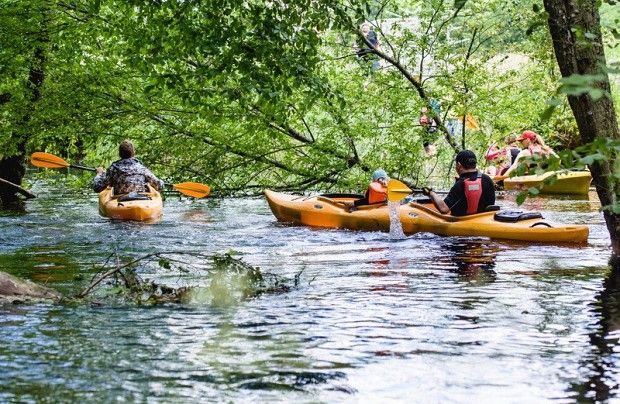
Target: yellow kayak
[571,182]
[330,212]
[147,209]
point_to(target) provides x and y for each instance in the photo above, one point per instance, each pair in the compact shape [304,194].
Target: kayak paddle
[47,160]
[397,190]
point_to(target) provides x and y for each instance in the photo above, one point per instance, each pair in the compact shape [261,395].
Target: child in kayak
[376,192]
[126,175]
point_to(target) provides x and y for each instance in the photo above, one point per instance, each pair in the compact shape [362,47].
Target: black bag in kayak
[513,216]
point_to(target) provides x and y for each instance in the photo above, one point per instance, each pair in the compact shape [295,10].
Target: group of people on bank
[473,192]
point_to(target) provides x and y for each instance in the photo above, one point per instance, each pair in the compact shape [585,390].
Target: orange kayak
[330,212]
[571,182]
[142,210]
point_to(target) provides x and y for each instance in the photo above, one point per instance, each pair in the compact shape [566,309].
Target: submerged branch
[230,279]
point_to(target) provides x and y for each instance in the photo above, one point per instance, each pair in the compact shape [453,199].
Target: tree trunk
[13,290]
[576,32]
[12,168]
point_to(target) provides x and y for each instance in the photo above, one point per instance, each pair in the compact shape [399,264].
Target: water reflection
[390,266]
[473,259]
[602,381]
[196,215]
[560,203]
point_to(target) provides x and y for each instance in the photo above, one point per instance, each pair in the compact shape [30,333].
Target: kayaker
[502,158]
[533,146]
[126,175]
[376,192]
[472,193]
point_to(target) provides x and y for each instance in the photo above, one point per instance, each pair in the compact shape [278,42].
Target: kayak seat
[513,216]
[133,196]
[491,208]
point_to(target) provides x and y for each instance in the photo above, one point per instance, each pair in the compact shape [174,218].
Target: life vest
[473,192]
[514,152]
[377,192]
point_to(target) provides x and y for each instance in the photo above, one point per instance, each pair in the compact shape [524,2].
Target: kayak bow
[571,182]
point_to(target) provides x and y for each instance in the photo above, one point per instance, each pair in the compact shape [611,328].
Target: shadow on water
[13,208]
[601,381]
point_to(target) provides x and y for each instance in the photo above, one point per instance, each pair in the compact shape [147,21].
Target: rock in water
[15,290]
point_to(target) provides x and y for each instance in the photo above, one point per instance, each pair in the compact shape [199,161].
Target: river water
[424,319]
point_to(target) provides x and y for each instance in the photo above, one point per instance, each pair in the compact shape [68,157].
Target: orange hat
[527,134]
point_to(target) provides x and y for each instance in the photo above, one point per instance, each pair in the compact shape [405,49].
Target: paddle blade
[193,189]
[397,190]
[47,160]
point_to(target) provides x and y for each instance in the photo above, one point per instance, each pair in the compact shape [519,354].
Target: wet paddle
[397,190]
[47,160]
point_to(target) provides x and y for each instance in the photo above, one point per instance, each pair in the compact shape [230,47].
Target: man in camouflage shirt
[126,175]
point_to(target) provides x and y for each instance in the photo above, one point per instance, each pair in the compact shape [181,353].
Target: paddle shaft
[83,168]
[419,191]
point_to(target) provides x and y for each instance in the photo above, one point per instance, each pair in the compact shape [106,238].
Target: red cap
[527,134]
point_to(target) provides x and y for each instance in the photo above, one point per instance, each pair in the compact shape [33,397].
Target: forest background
[248,95]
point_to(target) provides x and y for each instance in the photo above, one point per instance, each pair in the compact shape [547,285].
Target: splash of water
[396,227]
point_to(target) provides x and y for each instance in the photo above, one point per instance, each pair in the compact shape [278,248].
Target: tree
[577,41]
[24,38]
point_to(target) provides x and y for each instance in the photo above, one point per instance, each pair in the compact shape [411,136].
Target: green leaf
[547,113]
[533,191]
[521,197]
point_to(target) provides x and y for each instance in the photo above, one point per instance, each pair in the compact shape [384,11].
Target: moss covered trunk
[576,33]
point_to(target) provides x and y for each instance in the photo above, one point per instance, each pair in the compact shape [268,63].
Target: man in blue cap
[472,193]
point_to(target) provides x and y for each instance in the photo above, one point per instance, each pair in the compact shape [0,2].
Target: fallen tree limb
[25,192]
[14,290]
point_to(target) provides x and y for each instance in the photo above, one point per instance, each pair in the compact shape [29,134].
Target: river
[424,319]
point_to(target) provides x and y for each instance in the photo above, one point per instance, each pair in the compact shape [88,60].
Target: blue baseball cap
[377,174]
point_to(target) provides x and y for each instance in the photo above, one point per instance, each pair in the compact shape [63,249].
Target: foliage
[248,95]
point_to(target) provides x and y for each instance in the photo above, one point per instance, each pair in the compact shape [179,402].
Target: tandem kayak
[148,208]
[329,212]
[571,182]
